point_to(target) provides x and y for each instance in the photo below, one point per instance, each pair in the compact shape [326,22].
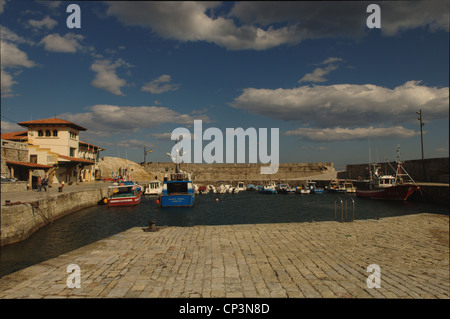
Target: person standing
[39,183]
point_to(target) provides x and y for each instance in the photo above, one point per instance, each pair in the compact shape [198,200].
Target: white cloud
[318,74]
[251,25]
[133,143]
[112,118]
[160,85]
[70,43]
[106,77]
[358,133]
[46,22]
[13,57]
[188,21]
[346,104]
[7,83]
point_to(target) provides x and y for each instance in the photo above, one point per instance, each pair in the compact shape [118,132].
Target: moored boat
[178,191]
[314,189]
[268,189]
[394,187]
[153,188]
[335,187]
[126,193]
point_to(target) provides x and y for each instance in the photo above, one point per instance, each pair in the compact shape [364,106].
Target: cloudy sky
[136,71]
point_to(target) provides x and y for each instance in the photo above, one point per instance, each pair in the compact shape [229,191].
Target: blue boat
[178,191]
[314,189]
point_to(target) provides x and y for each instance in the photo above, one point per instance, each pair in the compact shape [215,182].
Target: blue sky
[134,72]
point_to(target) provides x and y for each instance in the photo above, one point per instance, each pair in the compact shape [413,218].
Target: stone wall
[14,187]
[435,170]
[18,222]
[244,172]
[12,151]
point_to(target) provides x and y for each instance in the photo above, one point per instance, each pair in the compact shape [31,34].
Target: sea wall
[233,173]
[19,221]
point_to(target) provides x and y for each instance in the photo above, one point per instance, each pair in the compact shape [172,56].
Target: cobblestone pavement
[305,260]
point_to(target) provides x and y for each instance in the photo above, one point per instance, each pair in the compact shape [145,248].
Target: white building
[55,142]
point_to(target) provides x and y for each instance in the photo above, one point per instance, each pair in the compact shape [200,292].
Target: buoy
[217,199]
[157,201]
[105,200]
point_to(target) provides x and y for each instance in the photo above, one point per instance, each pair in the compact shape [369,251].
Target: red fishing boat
[395,187]
[125,194]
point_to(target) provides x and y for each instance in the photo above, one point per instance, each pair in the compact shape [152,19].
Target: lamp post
[421,142]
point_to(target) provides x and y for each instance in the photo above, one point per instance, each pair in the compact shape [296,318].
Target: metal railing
[342,208]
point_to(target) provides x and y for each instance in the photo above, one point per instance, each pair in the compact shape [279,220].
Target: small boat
[284,189]
[153,188]
[210,189]
[302,189]
[398,187]
[335,187]
[349,187]
[241,186]
[269,189]
[126,193]
[203,190]
[314,189]
[251,187]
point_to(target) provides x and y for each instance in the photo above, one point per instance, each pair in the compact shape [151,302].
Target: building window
[33,159]
[72,152]
[55,133]
[47,133]
[40,133]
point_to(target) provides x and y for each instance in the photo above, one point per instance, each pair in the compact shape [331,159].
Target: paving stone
[295,260]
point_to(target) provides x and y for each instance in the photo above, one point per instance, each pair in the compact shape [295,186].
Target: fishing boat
[126,193]
[303,189]
[314,189]
[153,188]
[178,191]
[335,187]
[394,187]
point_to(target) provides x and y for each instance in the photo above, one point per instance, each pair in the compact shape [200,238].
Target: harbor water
[95,223]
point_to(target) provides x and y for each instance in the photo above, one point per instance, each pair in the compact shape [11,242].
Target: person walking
[44,183]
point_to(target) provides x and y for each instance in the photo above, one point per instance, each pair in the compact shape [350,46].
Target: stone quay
[286,260]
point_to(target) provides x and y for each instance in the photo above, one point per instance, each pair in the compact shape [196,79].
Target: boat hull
[398,192]
[177,200]
[125,201]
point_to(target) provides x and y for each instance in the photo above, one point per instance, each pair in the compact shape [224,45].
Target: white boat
[349,187]
[241,186]
[269,189]
[211,189]
[221,189]
[153,188]
[303,190]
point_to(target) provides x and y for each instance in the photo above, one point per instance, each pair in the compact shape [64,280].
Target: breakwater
[213,173]
[19,221]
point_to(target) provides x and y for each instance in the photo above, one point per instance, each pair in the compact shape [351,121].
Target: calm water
[95,223]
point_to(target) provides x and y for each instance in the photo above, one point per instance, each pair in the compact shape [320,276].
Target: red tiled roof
[52,121]
[76,159]
[15,136]
[28,164]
